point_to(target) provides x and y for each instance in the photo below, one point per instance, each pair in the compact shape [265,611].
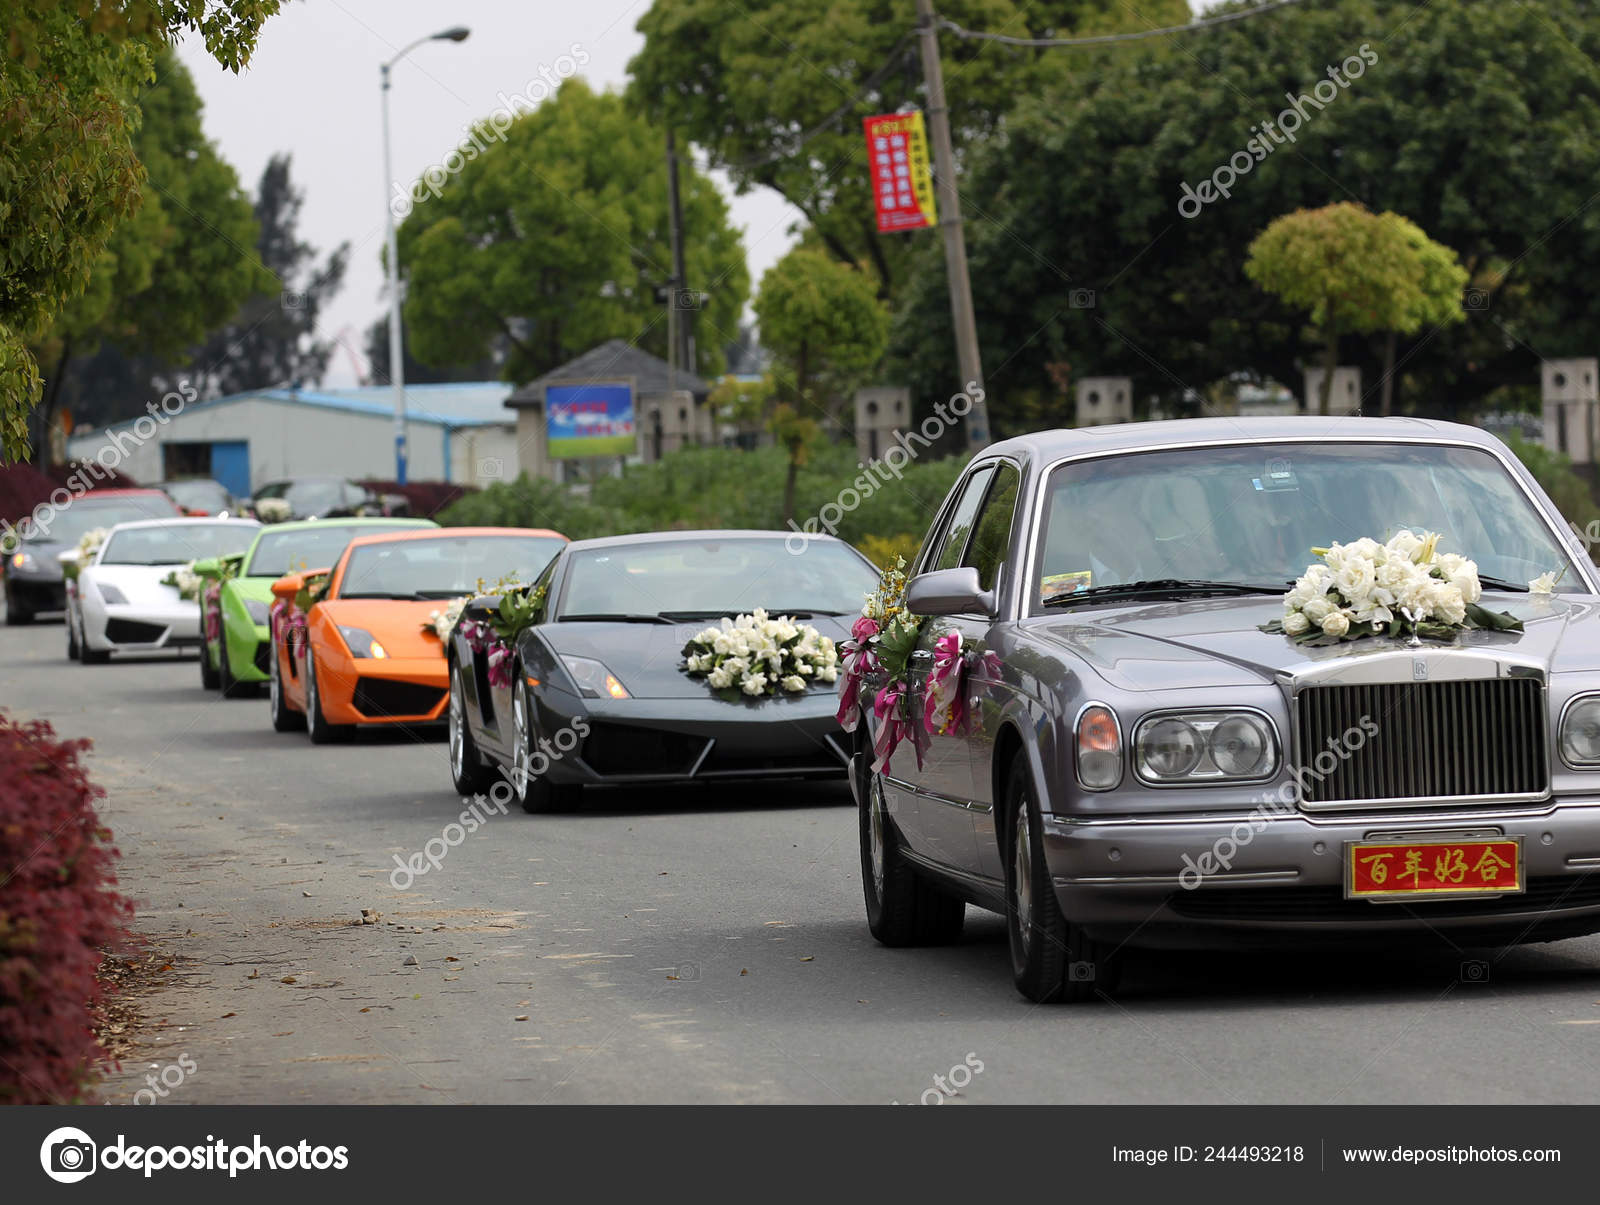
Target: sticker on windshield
[1057,585]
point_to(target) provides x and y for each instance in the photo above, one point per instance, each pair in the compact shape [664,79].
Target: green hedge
[725,487]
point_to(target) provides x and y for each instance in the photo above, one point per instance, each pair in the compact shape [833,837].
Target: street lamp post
[397,368]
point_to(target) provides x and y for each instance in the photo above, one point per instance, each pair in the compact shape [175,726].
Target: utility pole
[683,334]
[950,228]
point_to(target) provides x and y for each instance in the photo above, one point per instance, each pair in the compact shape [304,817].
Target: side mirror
[211,566]
[287,586]
[69,557]
[949,592]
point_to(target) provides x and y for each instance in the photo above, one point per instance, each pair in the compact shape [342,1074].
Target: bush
[58,910]
[729,487]
[1557,477]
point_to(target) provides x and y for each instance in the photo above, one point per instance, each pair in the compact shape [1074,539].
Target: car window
[954,540]
[991,537]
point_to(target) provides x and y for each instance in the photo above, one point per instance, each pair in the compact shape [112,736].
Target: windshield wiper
[1158,587]
[773,612]
[604,617]
[390,594]
[1500,583]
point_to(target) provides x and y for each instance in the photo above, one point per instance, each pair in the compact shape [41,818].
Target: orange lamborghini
[353,644]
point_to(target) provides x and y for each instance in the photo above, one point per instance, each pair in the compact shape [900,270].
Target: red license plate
[1432,867]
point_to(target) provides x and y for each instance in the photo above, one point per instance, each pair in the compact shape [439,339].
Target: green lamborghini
[236,596]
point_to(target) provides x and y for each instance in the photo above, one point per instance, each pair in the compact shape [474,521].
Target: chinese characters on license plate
[1378,870]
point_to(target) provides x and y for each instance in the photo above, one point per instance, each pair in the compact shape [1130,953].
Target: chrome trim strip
[1173,880]
[1320,820]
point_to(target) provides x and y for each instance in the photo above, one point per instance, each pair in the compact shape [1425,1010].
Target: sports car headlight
[23,560]
[594,680]
[362,643]
[1099,748]
[1580,732]
[1202,747]
[111,595]
[259,612]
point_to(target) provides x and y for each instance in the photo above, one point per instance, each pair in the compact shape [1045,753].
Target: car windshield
[176,544]
[198,494]
[709,578]
[70,524]
[313,497]
[318,546]
[1252,513]
[444,566]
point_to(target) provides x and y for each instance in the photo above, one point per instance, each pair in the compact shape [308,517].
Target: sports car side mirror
[211,566]
[287,586]
[949,592]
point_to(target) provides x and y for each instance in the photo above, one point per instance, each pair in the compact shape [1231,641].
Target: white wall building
[455,432]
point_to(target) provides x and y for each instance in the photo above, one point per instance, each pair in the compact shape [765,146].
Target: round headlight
[1238,746]
[1580,732]
[1170,748]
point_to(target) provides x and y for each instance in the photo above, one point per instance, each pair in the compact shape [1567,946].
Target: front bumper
[1250,878]
[384,690]
[637,741]
[139,627]
[36,593]
[249,650]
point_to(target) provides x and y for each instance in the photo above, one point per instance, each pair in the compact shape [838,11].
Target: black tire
[468,773]
[1052,962]
[321,732]
[87,655]
[284,717]
[210,679]
[903,908]
[230,686]
[535,792]
[74,649]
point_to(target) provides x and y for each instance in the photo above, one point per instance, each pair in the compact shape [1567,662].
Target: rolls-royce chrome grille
[1421,741]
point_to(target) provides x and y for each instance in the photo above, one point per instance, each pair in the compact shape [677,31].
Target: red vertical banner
[901,172]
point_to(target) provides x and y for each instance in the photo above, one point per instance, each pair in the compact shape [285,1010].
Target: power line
[869,84]
[1102,39]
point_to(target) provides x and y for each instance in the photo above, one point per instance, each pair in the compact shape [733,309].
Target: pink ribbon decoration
[944,707]
[212,607]
[894,726]
[486,643]
[859,661]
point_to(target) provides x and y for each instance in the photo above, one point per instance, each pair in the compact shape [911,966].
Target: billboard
[902,179]
[589,420]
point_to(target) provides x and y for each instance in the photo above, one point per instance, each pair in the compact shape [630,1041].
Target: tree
[272,340]
[823,323]
[775,95]
[1477,121]
[376,348]
[193,247]
[68,171]
[555,238]
[1352,271]
[745,404]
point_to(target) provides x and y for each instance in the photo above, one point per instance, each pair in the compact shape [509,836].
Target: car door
[988,551]
[942,784]
[494,702]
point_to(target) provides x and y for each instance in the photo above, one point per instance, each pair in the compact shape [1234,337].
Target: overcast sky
[312,90]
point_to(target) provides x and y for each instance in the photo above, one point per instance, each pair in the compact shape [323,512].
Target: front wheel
[467,772]
[533,788]
[903,909]
[74,649]
[321,732]
[1051,960]
[284,719]
[231,687]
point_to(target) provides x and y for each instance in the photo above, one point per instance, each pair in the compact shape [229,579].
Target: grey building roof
[613,360]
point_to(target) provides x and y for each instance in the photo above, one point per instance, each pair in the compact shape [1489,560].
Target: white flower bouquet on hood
[1404,587]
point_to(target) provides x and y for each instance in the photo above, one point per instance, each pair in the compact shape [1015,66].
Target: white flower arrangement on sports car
[757,655]
[442,622]
[88,544]
[274,510]
[185,580]
[1404,587]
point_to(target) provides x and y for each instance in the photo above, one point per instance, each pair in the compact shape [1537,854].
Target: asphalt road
[685,946]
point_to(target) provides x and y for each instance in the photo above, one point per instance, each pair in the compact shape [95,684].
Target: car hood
[140,584]
[1218,642]
[648,657]
[44,554]
[396,623]
[258,589]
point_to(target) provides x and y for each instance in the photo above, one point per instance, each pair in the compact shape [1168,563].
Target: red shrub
[24,486]
[427,498]
[58,910]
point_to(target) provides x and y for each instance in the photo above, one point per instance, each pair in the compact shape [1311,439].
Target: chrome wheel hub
[1022,875]
[519,738]
[875,836]
[457,749]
